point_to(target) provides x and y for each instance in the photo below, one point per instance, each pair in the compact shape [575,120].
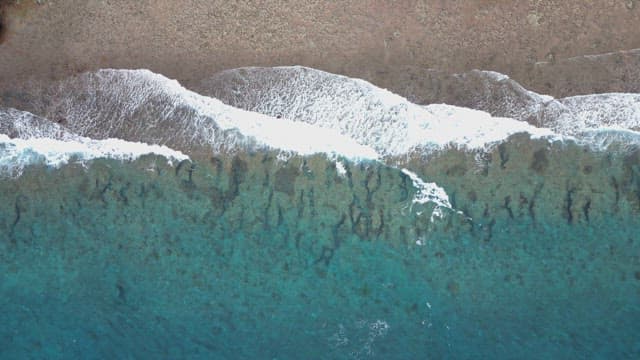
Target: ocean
[290,213]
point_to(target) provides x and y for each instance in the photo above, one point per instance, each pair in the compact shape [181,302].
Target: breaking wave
[304,111]
[293,110]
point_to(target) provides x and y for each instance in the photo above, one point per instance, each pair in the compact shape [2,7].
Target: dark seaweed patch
[504,155]
[540,161]
[285,179]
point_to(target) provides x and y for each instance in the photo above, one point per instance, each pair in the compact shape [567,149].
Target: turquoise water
[247,257]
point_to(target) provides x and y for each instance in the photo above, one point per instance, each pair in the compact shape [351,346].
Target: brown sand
[187,39]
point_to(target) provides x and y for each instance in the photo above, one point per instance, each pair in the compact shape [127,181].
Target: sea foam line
[16,154]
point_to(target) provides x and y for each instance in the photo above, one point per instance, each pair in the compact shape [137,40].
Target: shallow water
[249,257]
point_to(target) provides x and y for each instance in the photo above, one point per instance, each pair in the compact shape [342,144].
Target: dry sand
[187,39]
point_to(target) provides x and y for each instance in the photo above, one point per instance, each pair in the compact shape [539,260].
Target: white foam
[283,134]
[342,171]
[372,116]
[301,138]
[16,154]
[140,105]
[470,129]
[24,125]
[605,110]
[429,193]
